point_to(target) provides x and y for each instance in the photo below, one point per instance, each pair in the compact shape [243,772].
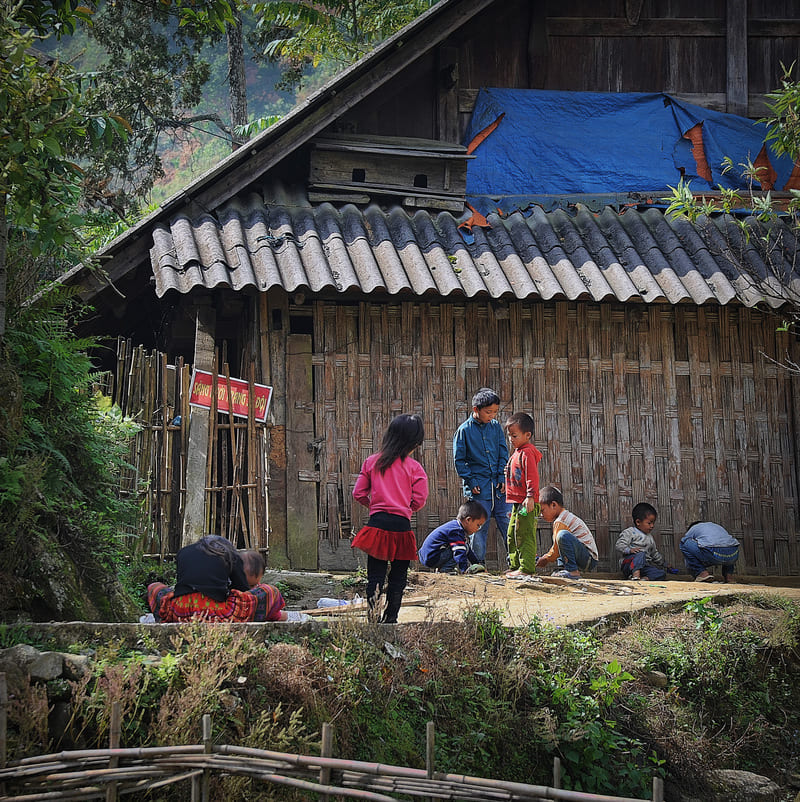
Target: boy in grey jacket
[639,555]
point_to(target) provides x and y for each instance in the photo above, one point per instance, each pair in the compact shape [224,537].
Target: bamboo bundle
[88,774]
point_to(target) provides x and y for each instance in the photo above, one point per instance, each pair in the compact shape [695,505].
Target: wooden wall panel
[672,405]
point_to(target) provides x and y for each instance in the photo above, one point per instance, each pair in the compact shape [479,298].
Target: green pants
[522,539]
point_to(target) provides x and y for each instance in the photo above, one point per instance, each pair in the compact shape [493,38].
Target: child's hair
[471,509]
[253,562]
[220,547]
[550,495]
[643,510]
[485,397]
[522,420]
[404,434]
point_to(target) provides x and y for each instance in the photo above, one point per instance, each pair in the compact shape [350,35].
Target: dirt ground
[572,602]
[436,597]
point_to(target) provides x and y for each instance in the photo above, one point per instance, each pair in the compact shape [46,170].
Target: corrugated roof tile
[281,239]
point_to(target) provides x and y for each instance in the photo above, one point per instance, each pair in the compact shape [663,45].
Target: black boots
[394,599]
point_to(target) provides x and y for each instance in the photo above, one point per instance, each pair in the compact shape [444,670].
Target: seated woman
[213,585]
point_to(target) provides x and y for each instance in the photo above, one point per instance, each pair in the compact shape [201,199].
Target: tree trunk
[236,78]
[3,268]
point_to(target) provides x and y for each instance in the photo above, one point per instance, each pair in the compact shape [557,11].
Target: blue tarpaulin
[558,143]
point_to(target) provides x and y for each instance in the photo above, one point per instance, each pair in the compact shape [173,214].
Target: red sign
[200,395]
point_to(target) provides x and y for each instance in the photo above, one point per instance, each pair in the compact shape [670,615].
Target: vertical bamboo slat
[630,404]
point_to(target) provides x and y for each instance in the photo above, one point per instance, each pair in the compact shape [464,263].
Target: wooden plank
[447,128]
[301,497]
[605,27]
[199,426]
[400,143]
[537,46]
[362,606]
[715,101]
[277,324]
[374,148]
[385,189]
[736,60]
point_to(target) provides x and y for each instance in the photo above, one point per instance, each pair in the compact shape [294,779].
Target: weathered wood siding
[678,406]
[721,54]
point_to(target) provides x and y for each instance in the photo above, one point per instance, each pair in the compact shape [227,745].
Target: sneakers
[566,575]
[704,576]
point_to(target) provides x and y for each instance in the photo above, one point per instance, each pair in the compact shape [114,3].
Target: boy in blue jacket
[480,452]
[446,547]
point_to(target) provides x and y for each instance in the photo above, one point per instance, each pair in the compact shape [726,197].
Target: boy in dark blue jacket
[480,453]
[446,548]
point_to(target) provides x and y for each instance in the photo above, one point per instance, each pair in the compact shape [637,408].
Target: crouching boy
[574,548]
[446,548]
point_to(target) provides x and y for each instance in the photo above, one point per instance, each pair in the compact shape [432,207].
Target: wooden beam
[618,26]
[684,27]
[716,101]
[199,424]
[736,46]
[277,325]
[301,497]
[447,95]
[537,47]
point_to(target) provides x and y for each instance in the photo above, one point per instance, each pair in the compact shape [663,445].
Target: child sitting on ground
[446,548]
[639,555]
[213,585]
[574,548]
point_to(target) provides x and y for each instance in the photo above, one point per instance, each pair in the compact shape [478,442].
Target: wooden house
[327,258]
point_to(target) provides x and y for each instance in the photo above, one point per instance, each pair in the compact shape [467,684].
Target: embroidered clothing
[259,603]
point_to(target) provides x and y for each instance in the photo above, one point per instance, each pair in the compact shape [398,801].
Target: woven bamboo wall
[677,406]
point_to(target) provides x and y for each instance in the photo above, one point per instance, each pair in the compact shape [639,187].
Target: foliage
[333,32]
[62,447]
[743,222]
[737,676]
[732,700]
[46,130]
[784,115]
[708,617]
[150,70]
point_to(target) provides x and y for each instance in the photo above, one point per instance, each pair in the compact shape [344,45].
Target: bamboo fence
[111,773]
[155,394]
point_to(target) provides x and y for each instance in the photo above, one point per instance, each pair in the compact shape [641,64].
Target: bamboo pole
[326,750]
[252,462]
[658,789]
[233,509]
[208,746]
[211,503]
[556,772]
[3,725]
[113,744]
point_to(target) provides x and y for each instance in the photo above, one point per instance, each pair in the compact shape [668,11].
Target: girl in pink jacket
[393,486]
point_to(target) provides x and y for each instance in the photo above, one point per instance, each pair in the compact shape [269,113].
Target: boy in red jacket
[522,490]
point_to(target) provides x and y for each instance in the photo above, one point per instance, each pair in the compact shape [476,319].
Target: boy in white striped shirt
[574,548]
